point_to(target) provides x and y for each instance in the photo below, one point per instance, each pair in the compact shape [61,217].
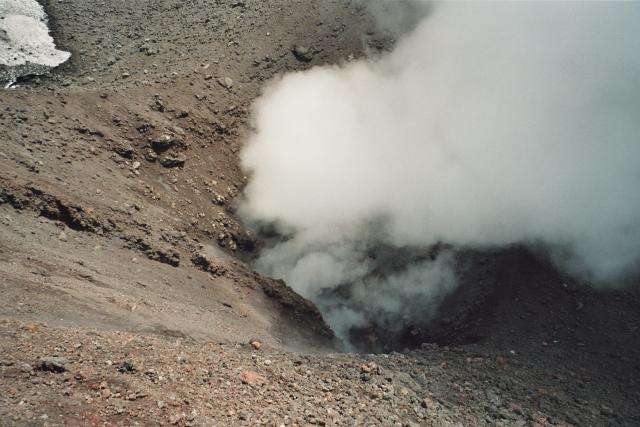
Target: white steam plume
[490,124]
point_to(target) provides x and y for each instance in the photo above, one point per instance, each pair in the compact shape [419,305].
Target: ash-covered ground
[128,293]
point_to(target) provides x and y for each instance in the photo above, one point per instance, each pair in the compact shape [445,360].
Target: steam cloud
[490,124]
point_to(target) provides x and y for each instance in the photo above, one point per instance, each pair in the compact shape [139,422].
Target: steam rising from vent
[490,124]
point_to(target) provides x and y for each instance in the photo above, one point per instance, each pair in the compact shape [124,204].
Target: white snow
[24,36]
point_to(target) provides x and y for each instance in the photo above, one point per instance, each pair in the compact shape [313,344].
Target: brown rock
[175,418]
[31,327]
[253,378]
[370,368]
[428,403]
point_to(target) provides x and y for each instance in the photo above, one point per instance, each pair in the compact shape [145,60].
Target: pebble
[302,53]
[253,378]
[225,82]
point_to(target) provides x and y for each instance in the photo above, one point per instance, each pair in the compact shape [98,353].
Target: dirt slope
[130,152]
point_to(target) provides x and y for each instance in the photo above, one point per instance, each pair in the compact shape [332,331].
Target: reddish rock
[370,368]
[253,378]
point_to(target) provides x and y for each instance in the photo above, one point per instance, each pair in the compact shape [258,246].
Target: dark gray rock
[173,161]
[52,364]
[302,53]
[163,143]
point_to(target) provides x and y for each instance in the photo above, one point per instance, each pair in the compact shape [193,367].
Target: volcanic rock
[302,53]
[253,378]
[163,143]
[173,162]
[52,364]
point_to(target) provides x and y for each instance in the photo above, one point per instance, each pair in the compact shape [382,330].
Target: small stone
[302,53]
[126,367]
[31,327]
[62,236]
[150,156]
[173,162]
[124,150]
[428,403]
[256,344]
[253,378]
[225,82]
[135,165]
[219,199]
[163,142]
[370,368]
[52,364]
